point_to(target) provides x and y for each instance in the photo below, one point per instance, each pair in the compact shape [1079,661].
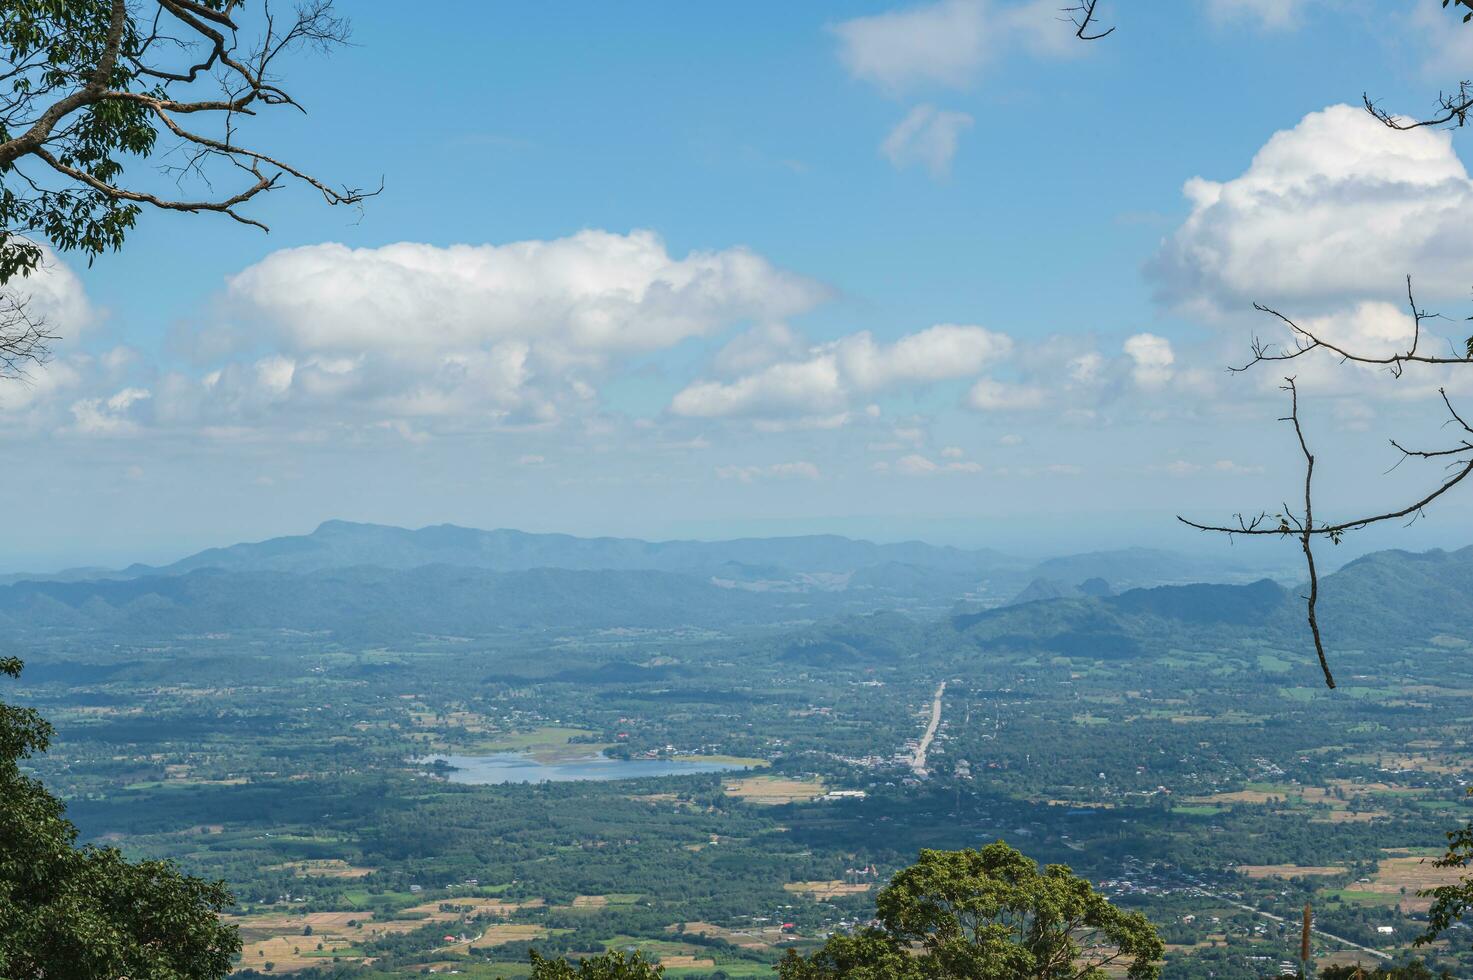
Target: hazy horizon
[1266,553]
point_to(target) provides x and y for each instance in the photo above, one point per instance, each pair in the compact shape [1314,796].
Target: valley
[1169,742]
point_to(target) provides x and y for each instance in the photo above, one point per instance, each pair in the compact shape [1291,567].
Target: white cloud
[471,336]
[946,43]
[1374,329]
[109,416]
[941,43]
[938,353]
[53,295]
[800,470]
[952,452]
[926,136]
[795,388]
[990,395]
[595,292]
[764,344]
[822,384]
[1271,15]
[1086,368]
[1152,359]
[1339,206]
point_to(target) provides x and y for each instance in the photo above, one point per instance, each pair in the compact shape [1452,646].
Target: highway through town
[918,758]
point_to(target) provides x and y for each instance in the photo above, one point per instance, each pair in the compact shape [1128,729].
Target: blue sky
[893,270]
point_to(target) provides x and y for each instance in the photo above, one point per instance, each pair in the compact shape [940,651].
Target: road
[918,758]
[1318,932]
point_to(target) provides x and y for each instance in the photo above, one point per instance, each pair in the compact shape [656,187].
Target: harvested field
[1289,870]
[277,937]
[1347,816]
[775,790]
[509,932]
[1412,874]
[824,890]
[686,961]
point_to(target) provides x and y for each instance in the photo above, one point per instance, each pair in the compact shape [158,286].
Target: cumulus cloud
[822,383]
[54,294]
[1152,359]
[1338,206]
[927,136]
[810,387]
[472,335]
[1374,329]
[764,344]
[947,350]
[947,42]
[1055,378]
[592,293]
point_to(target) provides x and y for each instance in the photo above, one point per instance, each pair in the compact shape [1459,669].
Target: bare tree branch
[1452,107]
[1307,340]
[24,341]
[1083,17]
[1303,527]
[125,76]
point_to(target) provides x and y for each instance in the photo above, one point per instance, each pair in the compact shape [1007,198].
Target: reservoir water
[521,767]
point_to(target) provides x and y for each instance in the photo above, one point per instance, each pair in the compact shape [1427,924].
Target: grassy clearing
[1197,810]
[324,868]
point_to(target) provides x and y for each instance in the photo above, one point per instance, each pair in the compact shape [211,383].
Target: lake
[520,767]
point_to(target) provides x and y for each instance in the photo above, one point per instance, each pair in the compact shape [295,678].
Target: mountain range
[365,580]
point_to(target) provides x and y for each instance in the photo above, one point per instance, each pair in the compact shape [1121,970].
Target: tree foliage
[79,913]
[1450,902]
[612,965]
[987,913]
[1415,970]
[93,83]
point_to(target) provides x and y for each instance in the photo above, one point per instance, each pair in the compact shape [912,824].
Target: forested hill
[1385,595]
[385,604]
[883,572]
